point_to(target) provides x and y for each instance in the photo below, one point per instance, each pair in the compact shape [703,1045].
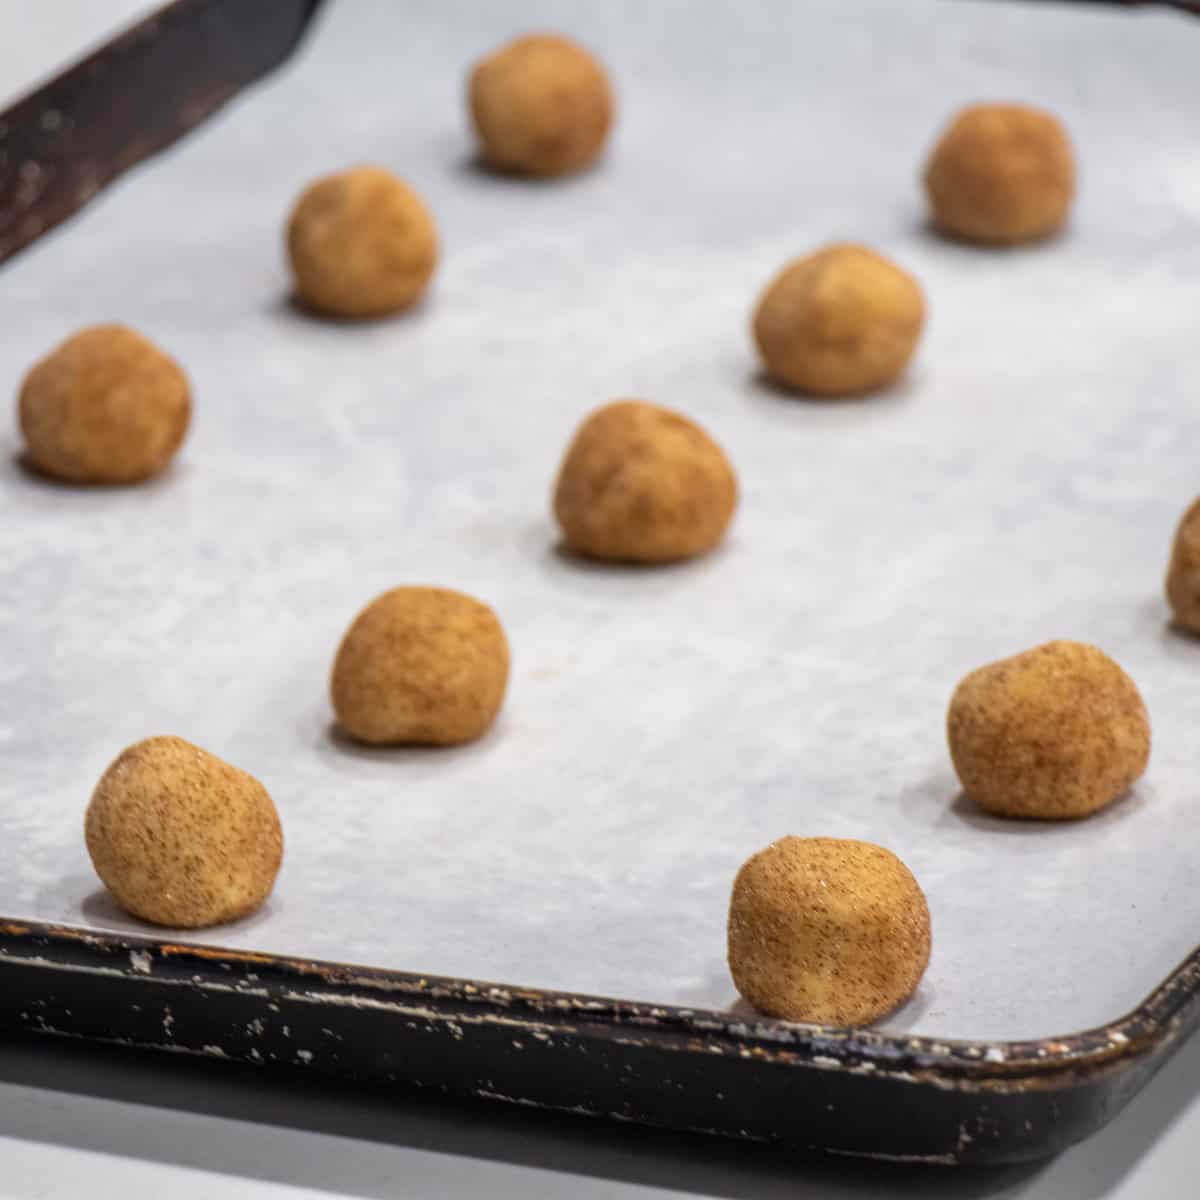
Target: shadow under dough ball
[420,665]
[105,407]
[827,930]
[643,484]
[1183,575]
[839,322]
[180,837]
[1053,733]
[541,105]
[361,244]
[1001,174]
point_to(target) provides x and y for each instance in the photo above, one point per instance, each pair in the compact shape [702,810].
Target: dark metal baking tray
[1022,484]
[852,1092]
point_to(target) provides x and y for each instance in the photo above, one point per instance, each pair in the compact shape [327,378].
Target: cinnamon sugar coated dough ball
[1183,575]
[541,105]
[420,665]
[107,406]
[1059,731]
[827,930]
[361,244]
[839,322]
[643,484]
[1001,173]
[180,837]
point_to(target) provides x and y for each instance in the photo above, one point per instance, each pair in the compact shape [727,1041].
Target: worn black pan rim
[962,1063]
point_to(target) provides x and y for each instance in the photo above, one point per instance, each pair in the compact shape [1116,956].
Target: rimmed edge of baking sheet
[963,1101]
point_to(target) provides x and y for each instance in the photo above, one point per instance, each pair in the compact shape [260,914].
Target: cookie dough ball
[643,484]
[839,322]
[107,406]
[1059,731]
[541,106]
[1183,575]
[361,243]
[827,930]
[420,665]
[1001,173]
[181,838]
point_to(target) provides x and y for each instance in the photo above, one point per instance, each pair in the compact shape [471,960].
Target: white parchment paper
[1022,484]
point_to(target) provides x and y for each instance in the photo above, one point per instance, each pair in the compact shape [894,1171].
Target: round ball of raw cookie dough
[180,837]
[107,406]
[420,665]
[839,322]
[541,106]
[1001,173]
[827,930]
[1059,731]
[1183,575]
[361,244]
[643,484]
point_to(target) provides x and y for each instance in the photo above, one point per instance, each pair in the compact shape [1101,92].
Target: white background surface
[110,1127]
[1022,484]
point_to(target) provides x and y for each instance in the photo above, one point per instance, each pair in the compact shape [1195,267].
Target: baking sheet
[1022,484]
